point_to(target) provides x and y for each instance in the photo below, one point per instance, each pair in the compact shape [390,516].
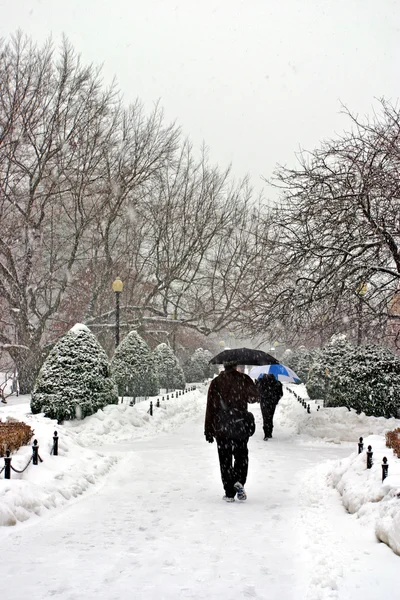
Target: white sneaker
[228,499]
[241,492]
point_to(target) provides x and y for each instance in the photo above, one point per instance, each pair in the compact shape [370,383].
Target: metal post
[318,407]
[35,452]
[308,409]
[117,318]
[359,318]
[385,468]
[7,465]
[151,408]
[360,445]
[55,444]
[158,403]
[369,457]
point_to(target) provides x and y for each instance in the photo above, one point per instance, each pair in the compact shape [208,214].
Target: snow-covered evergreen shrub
[300,360]
[209,370]
[326,365]
[75,378]
[193,371]
[170,373]
[368,381]
[134,368]
[197,368]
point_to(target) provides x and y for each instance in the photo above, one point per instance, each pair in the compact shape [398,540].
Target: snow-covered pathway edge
[81,464]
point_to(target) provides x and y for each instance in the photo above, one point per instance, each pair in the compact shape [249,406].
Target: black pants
[234,464]
[268,417]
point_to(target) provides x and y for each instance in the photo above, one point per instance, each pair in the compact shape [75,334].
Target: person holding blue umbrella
[271,391]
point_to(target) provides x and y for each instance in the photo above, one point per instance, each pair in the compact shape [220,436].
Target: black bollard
[158,403]
[318,407]
[369,457]
[151,408]
[55,444]
[167,397]
[360,445]
[7,465]
[385,468]
[308,409]
[163,398]
[35,452]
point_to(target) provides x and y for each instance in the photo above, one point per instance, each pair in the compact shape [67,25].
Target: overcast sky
[255,79]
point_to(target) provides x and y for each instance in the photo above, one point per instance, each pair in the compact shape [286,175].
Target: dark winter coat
[236,390]
[270,390]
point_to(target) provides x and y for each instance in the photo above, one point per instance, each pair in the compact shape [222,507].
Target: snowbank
[330,424]
[375,502]
[363,493]
[123,423]
[79,467]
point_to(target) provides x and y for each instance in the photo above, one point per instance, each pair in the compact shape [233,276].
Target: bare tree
[337,227]
[90,190]
[55,120]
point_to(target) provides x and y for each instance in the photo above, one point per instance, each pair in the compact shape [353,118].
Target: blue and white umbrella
[280,372]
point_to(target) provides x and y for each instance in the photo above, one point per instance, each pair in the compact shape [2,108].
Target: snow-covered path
[158,529]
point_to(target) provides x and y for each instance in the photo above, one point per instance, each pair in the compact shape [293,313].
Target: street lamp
[361,291]
[117,287]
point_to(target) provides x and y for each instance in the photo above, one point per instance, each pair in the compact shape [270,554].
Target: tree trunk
[28,368]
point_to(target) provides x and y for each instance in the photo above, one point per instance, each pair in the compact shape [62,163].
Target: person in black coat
[234,390]
[271,391]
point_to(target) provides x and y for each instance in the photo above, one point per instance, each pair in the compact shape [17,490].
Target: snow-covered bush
[170,373]
[197,368]
[326,365]
[368,380]
[365,378]
[193,371]
[300,360]
[133,367]
[75,379]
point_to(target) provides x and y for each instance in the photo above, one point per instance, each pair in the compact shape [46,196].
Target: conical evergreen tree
[200,360]
[170,373]
[300,360]
[193,371]
[133,367]
[326,366]
[75,378]
[368,381]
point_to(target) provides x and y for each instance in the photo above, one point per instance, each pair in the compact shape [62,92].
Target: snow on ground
[375,503]
[144,516]
[331,424]
[80,462]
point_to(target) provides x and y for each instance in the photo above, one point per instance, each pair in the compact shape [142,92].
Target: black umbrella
[244,356]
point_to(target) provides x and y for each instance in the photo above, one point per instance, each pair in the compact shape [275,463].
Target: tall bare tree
[54,123]
[338,227]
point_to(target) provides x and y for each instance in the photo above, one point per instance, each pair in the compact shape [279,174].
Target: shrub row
[14,435]
[393,441]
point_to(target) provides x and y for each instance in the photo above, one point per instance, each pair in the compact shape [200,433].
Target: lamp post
[117,287]
[361,291]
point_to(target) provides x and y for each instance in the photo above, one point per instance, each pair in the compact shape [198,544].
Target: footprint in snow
[249,591]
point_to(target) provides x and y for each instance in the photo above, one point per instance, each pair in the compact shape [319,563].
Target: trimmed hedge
[14,435]
[393,441]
